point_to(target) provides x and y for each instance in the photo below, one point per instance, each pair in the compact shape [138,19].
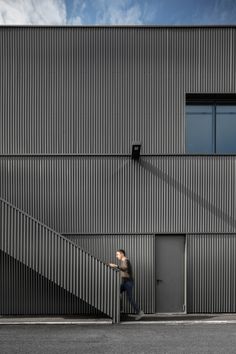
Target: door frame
[185,270]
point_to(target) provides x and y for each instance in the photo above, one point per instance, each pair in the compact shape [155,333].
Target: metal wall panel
[59,260]
[95,90]
[25,292]
[211,273]
[140,249]
[178,194]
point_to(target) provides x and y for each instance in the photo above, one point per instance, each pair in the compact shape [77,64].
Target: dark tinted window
[225,129]
[199,129]
[211,129]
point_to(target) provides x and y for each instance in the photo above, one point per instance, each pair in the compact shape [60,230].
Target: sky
[117,12]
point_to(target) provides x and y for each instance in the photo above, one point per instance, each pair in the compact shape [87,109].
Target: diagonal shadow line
[205,204]
[123,167]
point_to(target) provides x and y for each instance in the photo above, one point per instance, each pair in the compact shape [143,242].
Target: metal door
[170,274]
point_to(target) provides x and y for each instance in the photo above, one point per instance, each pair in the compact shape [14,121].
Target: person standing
[127,280]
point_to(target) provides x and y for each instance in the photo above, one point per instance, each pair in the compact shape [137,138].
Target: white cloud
[78,7]
[75,20]
[32,12]
[118,12]
[130,16]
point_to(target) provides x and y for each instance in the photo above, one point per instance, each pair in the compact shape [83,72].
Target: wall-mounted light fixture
[136,147]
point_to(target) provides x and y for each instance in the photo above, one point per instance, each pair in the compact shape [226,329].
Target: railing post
[116,304]
[1,224]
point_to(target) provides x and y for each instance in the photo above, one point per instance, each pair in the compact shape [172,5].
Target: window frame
[213,100]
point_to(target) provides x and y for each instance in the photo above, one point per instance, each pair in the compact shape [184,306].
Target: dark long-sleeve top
[126,269]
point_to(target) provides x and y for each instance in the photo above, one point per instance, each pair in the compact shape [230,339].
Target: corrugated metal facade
[94,90]
[25,292]
[211,273]
[59,260]
[86,93]
[141,252]
[76,195]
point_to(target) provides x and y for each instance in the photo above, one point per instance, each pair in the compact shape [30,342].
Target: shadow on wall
[205,204]
[23,291]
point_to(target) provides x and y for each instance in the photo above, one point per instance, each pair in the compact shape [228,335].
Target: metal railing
[59,260]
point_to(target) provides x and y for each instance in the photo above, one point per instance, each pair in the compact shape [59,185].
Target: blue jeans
[127,286]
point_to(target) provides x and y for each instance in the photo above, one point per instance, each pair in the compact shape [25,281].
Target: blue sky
[115,12]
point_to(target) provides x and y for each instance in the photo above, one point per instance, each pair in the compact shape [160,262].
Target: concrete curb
[173,323]
[55,322]
[225,319]
[180,322]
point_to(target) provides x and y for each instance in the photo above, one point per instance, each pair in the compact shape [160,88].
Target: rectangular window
[210,125]
[199,129]
[225,129]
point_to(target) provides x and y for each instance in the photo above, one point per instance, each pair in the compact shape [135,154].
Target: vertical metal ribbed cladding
[118,195]
[139,249]
[20,240]
[94,90]
[25,292]
[211,273]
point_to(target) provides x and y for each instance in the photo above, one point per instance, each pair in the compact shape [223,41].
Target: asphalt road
[133,338]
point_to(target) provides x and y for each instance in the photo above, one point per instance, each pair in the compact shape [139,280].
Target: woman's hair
[121,251]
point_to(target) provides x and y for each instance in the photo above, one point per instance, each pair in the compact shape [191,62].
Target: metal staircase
[59,260]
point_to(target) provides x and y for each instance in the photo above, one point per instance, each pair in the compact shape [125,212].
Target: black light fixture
[136,147]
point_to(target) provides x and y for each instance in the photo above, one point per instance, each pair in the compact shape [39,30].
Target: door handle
[159,280]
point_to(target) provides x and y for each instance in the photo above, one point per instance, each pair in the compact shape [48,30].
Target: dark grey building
[72,101]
